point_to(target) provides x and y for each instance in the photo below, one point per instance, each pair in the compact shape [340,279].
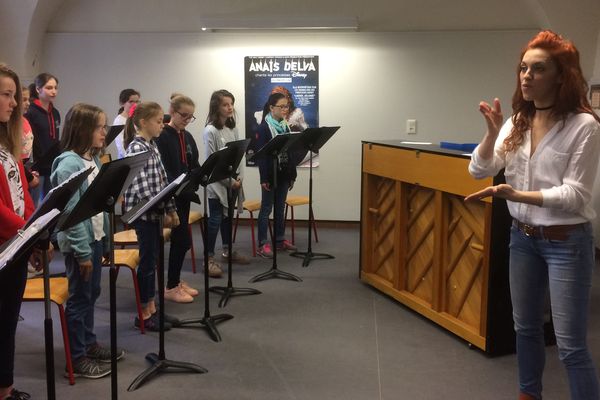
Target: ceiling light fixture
[280,23]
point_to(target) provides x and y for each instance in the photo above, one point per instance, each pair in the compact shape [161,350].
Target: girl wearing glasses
[179,154]
[83,244]
[274,123]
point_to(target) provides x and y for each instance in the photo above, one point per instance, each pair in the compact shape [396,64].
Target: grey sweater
[214,140]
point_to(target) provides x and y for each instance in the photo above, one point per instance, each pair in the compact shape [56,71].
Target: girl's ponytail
[137,112]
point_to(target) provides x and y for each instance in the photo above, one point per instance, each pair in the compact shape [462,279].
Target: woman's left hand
[503,191]
[236,184]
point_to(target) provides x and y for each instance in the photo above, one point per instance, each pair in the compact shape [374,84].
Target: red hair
[571,92]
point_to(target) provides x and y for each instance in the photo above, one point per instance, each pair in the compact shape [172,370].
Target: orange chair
[59,293]
[293,201]
[129,238]
[129,258]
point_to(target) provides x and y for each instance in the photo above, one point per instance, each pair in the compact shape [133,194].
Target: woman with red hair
[549,149]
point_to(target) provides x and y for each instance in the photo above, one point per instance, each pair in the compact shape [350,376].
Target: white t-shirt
[120,120]
[98,219]
[563,169]
[13,176]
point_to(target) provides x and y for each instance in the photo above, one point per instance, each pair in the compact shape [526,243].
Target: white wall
[369,84]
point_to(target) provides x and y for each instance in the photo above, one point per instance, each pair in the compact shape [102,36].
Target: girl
[147,118]
[83,244]
[127,98]
[220,129]
[45,124]
[32,176]
[274,123]
[549,149]
[15,207]
[179,154]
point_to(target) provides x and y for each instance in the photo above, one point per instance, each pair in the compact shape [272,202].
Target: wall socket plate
[411,126]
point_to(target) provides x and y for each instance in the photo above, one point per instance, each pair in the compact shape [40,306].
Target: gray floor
[328,337]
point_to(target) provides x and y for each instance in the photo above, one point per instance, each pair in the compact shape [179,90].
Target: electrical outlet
[411,126]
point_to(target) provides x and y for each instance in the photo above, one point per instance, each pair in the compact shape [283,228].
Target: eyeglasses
[283,107]
[187,116]
[103,127]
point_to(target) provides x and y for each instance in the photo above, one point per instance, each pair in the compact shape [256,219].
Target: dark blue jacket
[174,160]
[45,127]
[287,172]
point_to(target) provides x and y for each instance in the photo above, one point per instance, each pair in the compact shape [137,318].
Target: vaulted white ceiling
[27,21]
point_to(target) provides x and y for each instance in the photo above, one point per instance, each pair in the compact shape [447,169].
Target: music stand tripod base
[309,255]
[228,291]
[274,273]
[159,365]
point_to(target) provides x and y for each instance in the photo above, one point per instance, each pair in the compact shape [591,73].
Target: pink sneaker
[265,251]
[286,245]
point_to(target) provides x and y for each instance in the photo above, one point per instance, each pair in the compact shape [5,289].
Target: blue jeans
[266,206]
[81,301]
[148,241]
[565,269]
[217,219]
[180,243]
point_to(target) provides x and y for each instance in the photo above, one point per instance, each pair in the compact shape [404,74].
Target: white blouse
[563,168]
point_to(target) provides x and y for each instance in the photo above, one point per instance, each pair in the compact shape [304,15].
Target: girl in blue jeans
[83,244]
[143,127]
[549,149]
[274,196]
[221,129]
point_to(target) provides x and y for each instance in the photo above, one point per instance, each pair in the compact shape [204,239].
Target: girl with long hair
[219,130]
[549,149]
[16,207]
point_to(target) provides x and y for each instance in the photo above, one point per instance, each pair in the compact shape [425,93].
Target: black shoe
[152,324]
[16,395]
[102,354]
[173,321]
[85,367]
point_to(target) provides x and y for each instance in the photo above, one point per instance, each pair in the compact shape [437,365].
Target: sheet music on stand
[53,196]
[26,237]
[144,206]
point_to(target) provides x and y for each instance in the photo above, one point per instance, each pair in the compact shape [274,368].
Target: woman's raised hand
[493,116]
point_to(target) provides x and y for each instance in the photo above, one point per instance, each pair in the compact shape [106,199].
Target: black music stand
[112,180]
[215,168]
[17,247]
[57,198]
[312,139]
[159,361]
[228,291]
[275,146]
[112,134]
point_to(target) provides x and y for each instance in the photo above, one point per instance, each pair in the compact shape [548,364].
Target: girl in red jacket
[15,207]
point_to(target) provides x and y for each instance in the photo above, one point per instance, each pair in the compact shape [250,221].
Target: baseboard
[303,223]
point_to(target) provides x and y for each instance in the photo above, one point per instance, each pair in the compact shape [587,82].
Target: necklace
[543,108]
